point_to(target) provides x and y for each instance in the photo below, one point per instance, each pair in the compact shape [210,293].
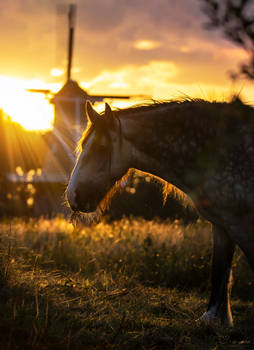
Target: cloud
[134,78]
[146,44]
[111,36]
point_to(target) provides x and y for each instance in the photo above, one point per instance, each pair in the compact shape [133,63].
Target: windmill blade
[72,20]
[40,91]
[72,15]
[99,98]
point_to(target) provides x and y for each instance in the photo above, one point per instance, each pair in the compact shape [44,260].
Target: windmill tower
[68,104]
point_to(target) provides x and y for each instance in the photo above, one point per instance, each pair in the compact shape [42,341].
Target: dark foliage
[236,19]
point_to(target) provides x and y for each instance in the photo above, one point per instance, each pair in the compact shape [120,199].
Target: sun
[33,111]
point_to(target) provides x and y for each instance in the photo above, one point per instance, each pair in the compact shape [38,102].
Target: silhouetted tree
[236,19]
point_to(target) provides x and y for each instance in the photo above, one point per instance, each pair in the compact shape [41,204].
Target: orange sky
[154,47]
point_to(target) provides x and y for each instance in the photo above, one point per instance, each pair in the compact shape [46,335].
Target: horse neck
[165,142]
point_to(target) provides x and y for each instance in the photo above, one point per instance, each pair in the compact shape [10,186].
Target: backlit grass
[131,284]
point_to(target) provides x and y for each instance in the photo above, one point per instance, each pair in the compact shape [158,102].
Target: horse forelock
[88,131]
[91,128]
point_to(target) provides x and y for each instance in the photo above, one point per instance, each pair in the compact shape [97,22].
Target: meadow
[129,284]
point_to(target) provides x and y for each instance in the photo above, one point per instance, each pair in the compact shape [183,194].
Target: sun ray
[32,111]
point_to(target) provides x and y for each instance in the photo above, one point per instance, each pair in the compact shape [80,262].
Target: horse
[204,149]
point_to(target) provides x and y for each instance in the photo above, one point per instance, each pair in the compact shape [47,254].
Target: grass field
[131,284]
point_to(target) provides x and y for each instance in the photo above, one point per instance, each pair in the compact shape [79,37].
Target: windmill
[71,88]
[70,119]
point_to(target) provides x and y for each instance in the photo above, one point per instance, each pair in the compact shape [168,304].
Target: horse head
[101,162]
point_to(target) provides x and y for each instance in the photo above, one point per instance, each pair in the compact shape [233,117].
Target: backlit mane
[137,109]
[153,104]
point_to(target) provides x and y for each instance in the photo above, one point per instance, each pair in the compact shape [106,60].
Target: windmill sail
[71,22]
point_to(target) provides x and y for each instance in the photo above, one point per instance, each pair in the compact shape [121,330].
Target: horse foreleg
[219,306]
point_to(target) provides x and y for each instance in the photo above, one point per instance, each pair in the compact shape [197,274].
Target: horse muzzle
[82,202]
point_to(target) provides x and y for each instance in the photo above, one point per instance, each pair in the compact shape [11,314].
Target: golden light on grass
[146,276]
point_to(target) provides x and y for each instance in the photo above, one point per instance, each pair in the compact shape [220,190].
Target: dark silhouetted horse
[204,149]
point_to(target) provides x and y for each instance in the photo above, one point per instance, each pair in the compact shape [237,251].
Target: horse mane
[150,105]
[136,110]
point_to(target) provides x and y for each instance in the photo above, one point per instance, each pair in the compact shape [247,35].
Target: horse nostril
[79,202]
[88,207]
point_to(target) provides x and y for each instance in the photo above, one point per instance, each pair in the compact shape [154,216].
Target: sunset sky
[154,47]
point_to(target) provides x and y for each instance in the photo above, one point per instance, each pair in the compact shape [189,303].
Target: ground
[129,284]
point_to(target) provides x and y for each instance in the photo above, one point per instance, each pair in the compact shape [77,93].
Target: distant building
[70,122]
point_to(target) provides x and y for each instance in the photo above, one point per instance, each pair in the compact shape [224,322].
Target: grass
[131,284]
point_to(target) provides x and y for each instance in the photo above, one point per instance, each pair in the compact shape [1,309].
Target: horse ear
[109,114]
[91,114]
